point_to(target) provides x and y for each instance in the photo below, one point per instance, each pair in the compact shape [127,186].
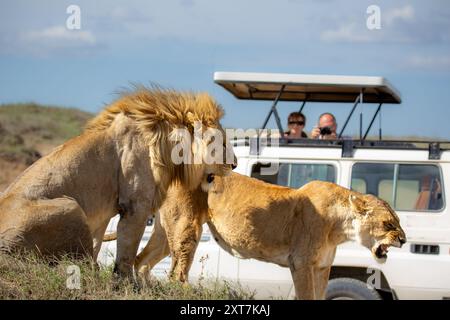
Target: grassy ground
[30,277]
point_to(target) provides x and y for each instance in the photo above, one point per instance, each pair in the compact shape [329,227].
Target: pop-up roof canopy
[310,88]
[303,87]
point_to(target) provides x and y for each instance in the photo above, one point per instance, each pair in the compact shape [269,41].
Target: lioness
[295,228]
[121,163]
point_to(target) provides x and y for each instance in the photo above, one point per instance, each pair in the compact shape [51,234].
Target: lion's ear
[358,204]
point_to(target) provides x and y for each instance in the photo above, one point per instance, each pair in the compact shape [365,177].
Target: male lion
[295,228]
[121,163]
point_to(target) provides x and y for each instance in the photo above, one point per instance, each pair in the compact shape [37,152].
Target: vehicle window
[385,191]
[359,185]
[408,187]
[295,175]
[407,193]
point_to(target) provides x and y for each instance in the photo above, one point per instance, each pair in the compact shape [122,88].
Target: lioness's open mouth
[381,251]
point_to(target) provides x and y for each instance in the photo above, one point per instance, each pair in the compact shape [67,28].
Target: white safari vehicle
[414,177]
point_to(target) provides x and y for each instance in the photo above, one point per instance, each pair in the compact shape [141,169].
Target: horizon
[355,136]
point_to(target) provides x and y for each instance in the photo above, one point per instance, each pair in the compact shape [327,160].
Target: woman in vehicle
[296,124]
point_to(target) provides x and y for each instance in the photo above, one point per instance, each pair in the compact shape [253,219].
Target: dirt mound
[29,131]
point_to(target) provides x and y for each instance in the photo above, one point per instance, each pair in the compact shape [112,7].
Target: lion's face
[202,150]
[376,225]
[217,152]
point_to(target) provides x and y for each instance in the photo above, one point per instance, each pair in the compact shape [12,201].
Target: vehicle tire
[350,289]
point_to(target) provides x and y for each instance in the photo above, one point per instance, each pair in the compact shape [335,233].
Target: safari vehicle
[413,176]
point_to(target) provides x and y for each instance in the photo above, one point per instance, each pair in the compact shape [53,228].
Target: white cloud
[61,35]
[405,13]
[355,31]
[345,33]
[287,24]
[55,39]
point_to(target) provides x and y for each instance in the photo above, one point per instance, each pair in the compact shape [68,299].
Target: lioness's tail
[110,236]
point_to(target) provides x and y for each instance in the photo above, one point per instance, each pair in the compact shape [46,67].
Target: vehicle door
[417,192]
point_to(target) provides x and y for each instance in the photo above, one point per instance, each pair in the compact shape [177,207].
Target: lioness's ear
[358,204]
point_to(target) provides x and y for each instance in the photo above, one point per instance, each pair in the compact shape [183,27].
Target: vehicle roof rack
[310,88]
[348,146]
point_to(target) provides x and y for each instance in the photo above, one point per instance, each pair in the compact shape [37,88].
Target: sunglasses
[300,123]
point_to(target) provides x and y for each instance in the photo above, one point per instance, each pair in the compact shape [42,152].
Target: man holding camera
[326,128]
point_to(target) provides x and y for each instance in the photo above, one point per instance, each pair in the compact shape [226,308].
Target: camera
[325,131]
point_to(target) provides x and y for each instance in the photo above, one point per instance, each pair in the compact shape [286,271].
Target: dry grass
[28,276]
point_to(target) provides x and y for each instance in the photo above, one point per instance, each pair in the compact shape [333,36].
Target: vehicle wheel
[350,289]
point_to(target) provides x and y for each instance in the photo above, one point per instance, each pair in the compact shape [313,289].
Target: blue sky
[181,43]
